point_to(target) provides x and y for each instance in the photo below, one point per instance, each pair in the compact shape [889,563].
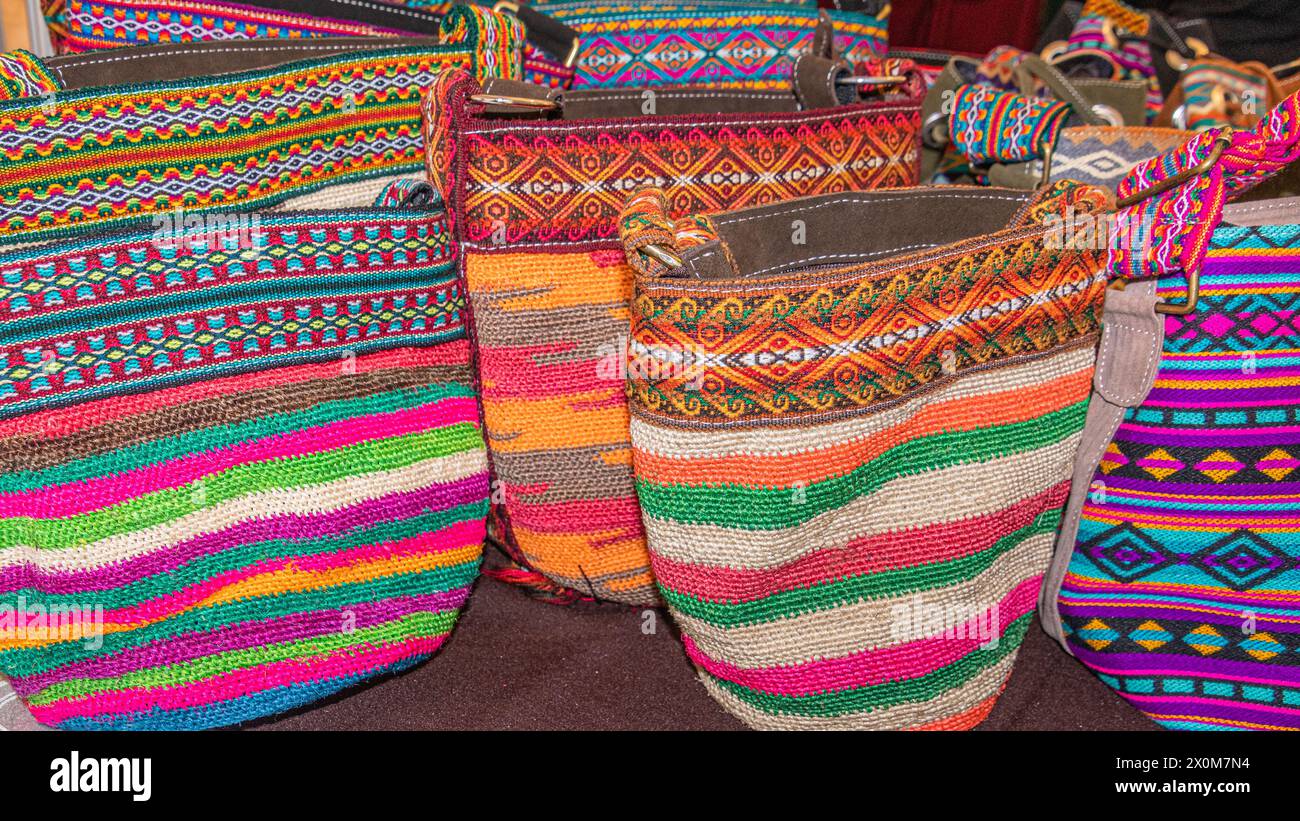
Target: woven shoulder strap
[1170,205]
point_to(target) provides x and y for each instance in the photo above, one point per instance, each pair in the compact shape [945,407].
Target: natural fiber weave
[117,155]
[851,479]
[239,470]
[537,204]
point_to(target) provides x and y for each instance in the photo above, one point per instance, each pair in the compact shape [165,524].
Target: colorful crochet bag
[548,47]
[86,141]
[536,203]
[1177,573]
[852,447]
[241,466]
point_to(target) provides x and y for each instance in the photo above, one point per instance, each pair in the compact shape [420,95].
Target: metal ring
[867,80]
[661,255]
[575,47]
[1047,165]
[514,102]
[1178,62]
[1188,305]
[1108,114]
[934,131]
[1220,145]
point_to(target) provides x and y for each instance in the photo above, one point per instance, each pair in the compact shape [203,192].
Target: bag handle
[1169,206]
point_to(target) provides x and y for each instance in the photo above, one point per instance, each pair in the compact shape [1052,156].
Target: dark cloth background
[514,663]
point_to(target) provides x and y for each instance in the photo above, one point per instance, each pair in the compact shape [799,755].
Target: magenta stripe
[236,683]
[455,537]
[241,636]
[292,527]
[62,501]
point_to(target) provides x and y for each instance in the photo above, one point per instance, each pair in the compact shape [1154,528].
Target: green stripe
[229,559]
[163,506]
[188,443]
[238,295]
[27,662]
[891,693]
[829,595]
[421,624]
[750,508]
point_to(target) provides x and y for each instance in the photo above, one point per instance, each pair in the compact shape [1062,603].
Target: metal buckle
[866,80]
[514,102]
[1220,145]
[1178,62]
[1193,296]
[1047,165]
[661,255]
[575,47]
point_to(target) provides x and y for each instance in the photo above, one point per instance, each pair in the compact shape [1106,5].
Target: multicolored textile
[22,74]
[1183,592]
[116,155]
[851,479]
[1102,30]
[1217,93]
[1001,126]
[1182,588]
[537,206]
[240,464]
[1102,155]
[86,25]
[733,44]
[1170,233]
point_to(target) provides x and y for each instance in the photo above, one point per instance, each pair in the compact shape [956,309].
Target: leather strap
[1132,338]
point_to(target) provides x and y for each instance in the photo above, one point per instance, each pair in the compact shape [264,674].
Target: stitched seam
[864,255]
[861,200]
[503,129]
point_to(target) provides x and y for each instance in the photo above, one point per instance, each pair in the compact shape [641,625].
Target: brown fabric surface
[514,663]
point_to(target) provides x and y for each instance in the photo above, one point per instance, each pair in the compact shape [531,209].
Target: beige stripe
[899,717]
[314,499]
[760,441]
[864,625]
[914,501]
[346,195]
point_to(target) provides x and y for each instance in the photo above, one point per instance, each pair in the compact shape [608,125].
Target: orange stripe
[787,470]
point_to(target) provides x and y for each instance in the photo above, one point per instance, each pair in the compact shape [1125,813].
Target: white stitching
[491,128]
[865,200]
[862,256]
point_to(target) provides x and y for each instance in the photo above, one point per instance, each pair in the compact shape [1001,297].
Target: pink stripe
[457,536]
[65,421]
[871,667]
[1218,702]
[1142,671]
[932,544]
[61,501]
[344,662]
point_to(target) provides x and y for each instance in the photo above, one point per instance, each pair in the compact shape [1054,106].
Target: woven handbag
[87,140]
[852,448]
[548,48]
[718,43]
[1177,573]
[241,466]
[537,198]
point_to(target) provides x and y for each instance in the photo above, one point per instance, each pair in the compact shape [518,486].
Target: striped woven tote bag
[1177,574]
[536,204]
[97,140]
[241,466]
[852,448]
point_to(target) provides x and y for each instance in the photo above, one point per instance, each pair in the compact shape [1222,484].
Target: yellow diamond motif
[1224,458]
[1279,472]
[1262,646]
[1151,627]
[1205,640]
[1093,627]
